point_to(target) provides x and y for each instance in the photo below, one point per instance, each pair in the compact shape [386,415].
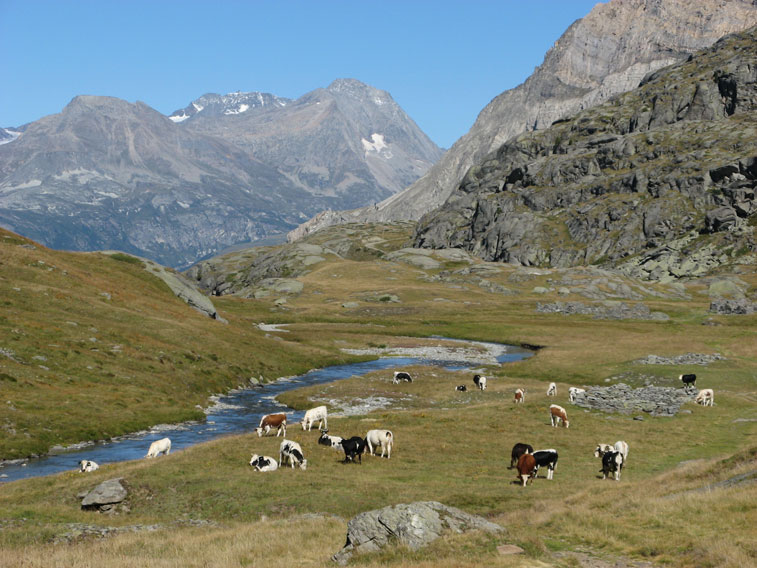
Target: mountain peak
[235,103]
[359,90]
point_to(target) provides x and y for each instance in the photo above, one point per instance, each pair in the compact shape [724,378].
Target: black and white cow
[461,388]
[330,441]
[479,381]
[518,450]
[291,452]
[263,463]
[545,458]
[612,462]
[87,466]
[689,380]
[354,447]
[402,376]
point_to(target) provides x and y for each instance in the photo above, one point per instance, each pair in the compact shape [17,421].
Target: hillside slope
[666,172]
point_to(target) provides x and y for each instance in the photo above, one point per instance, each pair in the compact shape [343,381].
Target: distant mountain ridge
[605,53]
[226,169]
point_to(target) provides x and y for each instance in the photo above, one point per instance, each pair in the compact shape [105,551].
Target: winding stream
[236,413]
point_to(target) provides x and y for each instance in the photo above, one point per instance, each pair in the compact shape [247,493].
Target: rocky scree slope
[659,181]
[605,53]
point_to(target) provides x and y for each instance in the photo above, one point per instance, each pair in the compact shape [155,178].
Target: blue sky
[442,61]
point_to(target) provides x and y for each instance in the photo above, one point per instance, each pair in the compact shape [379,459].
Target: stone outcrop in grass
[685,359]
[657,401]
[605,310]
[105,496]
[412,524]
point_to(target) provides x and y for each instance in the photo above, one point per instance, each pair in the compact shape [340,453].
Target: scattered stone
[738,307]
[609,310]
[685,359]
[639,418]
[540,290]
[412,524]
[505,549]
[350,305]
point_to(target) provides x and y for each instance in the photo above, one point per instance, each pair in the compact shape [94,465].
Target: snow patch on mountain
[376,145]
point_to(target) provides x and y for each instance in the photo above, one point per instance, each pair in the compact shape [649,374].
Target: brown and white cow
[705,397]
[526,467]
[520,396]
[557,414]
[269,421]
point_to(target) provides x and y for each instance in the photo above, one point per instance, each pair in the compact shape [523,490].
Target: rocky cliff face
[606,53]
[108,174]
[659,181]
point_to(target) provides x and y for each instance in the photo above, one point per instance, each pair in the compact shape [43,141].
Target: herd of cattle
[523,457]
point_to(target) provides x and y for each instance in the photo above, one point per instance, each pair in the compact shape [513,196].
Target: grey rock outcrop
[605,53]
[685,359]
[414,525]
[740,307]
[628,179]
[621,398]
[108,493]
[606,310]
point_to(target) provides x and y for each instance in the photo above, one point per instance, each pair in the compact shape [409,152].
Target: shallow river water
[235,413]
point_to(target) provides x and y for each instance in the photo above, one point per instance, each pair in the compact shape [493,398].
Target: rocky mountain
[605,53]
[659,181]
[350,142]
[108,174]
[8,135]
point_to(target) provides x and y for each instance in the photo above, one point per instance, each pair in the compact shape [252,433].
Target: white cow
[263,463]
[573,391]
[480,381]
[162,446]
[290,452]
[318,414]
[622,447]
[383,438]
[705,397]
[85,466]
[552,389]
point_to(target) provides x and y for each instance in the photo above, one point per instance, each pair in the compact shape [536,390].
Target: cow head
[254,459]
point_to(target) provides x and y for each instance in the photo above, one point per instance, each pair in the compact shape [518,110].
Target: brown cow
[278,421]
[526,467]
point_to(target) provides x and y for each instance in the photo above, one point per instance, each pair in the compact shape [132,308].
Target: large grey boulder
[412,524]
[108,493]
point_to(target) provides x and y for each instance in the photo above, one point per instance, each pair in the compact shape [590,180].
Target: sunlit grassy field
[450,446]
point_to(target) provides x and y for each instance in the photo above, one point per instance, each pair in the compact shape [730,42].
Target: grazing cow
[278,421]
[622,447]
[86,466]
[520,396]
[518,450]
[330,441]
[688,380]
[526,466]
[479,381]
[461,388]
[383,438]
[705,397]
[573,391]
[263,463]
[557,414]
[552,390]
[546,458]
[354,447]
[602,449]
[402,376]
[320,414]
[162,446]
[612,462]
[291,452]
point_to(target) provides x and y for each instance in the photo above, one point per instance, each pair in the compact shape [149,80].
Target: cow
[552,389]
[86,466]
[518,450]
[622,447]
[162,446]
[320,414]
[278,421]
[557,414]
[602,449]
[330,441]
[290,452]
[612,462]
[383,438]
[526,466]
[520,396]
[546,458]
[461,388]
[688,380]
[401,376]
[573,391]
[705,397]
[354,447]
[263,463]
[479,381]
